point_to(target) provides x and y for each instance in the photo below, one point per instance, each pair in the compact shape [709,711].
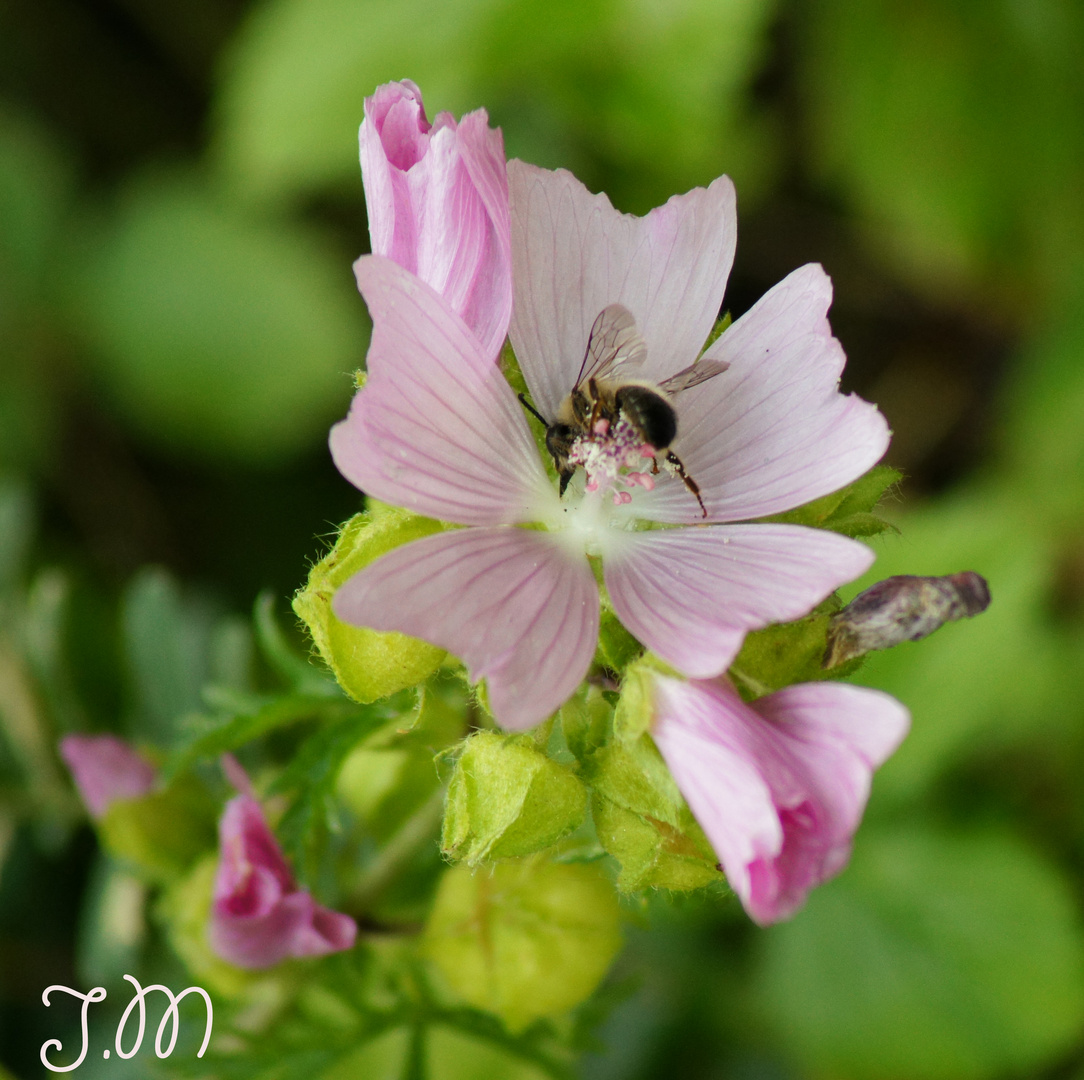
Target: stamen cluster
[609,449]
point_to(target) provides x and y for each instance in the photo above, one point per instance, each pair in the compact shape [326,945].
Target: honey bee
[608,400]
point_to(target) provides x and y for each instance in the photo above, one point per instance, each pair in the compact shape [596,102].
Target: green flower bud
[524,939]
[640,816]
[160,835]
[506,798]
[367,664]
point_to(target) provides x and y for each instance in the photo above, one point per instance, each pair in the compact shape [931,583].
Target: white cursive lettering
[97,994]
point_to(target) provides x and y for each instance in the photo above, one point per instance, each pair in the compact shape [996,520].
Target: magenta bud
[260,916]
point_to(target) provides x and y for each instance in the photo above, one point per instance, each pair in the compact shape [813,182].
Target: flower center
[611,455]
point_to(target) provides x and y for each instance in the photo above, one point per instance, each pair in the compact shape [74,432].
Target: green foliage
[524,939]
[623,82]
[367,664]
[787,653]
[198,316]
[955,137]
[506,799]
[162,834]
[937,956]
[643,822]
[849,510]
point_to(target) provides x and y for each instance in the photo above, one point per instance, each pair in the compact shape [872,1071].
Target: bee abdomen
[649,412]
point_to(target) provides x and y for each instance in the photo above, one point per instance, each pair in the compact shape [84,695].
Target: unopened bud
[902,608]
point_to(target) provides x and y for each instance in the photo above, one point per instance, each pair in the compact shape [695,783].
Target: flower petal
[488,305]
[105,768]
[516,607]
[573,254]
[773,431]
[778,786]
[436,428]
[690,595]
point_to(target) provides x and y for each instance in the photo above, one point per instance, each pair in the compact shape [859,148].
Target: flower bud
[902,608]
[105,769]
[507,799]
[367,664]
[260,916]
[524,939]
[437,197]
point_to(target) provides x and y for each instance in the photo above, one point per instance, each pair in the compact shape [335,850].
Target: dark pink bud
[105,768]
[259,916]
[903,608]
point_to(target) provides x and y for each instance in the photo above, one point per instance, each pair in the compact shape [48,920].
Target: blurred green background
[180,202]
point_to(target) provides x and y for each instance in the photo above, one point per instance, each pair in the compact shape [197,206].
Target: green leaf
[166,638]
[849,510]
[507,799]
[367,664]
[936,956]
[524,939]
[218,335]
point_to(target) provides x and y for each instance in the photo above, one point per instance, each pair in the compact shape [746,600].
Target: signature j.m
[98,994]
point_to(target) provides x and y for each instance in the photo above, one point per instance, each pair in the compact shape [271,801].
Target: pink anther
[645,480]
[622,497]
[602,426]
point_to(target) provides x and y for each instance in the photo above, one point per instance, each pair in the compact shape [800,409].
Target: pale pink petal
[779,785]
[772,432]
[436,429]
[514,605]
[438,205]
[690,595]
[259,917]
[105,769]
[573,254]
[487,307]
[384,167]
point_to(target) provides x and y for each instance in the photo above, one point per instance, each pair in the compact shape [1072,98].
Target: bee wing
[693,375]
[614,341]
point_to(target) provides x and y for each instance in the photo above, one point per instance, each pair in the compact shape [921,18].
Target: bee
[607,392]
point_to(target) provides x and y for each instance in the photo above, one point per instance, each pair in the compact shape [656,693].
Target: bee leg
[654,466]
[565,476]
[689,482]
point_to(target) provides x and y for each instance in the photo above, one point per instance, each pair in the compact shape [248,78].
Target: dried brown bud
[902,608]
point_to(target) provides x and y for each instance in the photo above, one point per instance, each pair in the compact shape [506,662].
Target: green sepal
[850,510]
[586,721]
[368,664]
[788,653]
[617,648]
[524,939]
[162,834]
[642,820]
[508,799]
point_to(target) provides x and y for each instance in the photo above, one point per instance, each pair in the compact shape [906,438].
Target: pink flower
[437,430]
[105,769]
[778,785]
[260,917]
[438,204]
